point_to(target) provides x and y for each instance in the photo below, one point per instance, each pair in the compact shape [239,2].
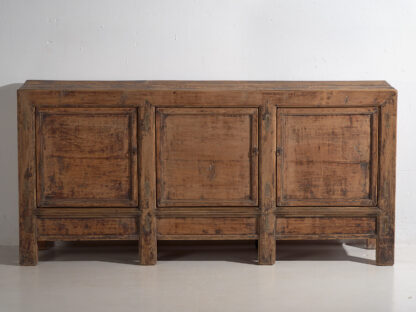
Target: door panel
[327,156]
[207,157]
[87,157]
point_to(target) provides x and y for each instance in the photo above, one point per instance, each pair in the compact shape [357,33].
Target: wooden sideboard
[213,160]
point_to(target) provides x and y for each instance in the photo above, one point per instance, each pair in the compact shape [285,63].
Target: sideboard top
[164,85]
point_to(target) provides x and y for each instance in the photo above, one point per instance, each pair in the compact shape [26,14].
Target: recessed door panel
[87,157]
[206,157]
[327,156]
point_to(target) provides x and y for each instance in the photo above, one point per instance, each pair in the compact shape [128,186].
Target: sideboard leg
[147,241]
[385,252]
[267,241]
[387,183]
[385,241]
[147,226]
[267,184]
[28,247]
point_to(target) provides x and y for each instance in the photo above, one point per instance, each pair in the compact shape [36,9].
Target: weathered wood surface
[207,226]
[147,237]
[325,226]
[207,157]
[326,211]
[208,94]
[205,85]
[387,183]
[78,227]
[204,237]
[93,212]
[28,249]
[206,160]
[267,184]
[327,157]
[87,157]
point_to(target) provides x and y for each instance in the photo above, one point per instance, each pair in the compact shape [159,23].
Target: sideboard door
[86,157]
[327,157]
[207,157]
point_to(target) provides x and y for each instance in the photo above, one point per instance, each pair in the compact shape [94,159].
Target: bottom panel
[209,228]
[87,228]
[325,228]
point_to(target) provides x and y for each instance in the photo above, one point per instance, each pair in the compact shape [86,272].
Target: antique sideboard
[206,160]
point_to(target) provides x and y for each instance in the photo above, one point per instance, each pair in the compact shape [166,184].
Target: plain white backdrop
[209,40]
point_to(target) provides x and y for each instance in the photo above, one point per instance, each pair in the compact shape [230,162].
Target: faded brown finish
[77,227]
[86,157]
[267,243]
[28,249]
[224,85]
[147,237]
[206,157]
[327,157]
[315,237]
[53,212]
[208,93]
[325,226]
[207,226]
[195,160]
[326,211]
[387,183]
[209,237]
[331,98]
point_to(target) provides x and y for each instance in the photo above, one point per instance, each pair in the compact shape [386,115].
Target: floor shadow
[127,252]
[318,251]
[105,251]
[231,251]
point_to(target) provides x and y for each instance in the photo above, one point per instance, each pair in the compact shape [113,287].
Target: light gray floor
[208,277]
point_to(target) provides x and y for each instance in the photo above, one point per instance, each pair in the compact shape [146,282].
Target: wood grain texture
[207,157]
[325,226]
[327,157]
[387,183]
[212,237]
[208,211]
[207,226]
[160,85]
[322,236]
[337,97]
[74,228]
[87,157]
[93,212]
[213,160]
[208,93]
[267,184]
[28,249]
[147,240]
[327,211]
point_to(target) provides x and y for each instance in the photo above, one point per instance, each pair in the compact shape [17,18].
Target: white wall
[184,39]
